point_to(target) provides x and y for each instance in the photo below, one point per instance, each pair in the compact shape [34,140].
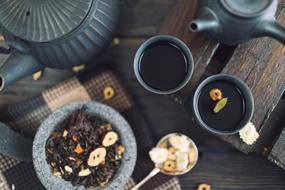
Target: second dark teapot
[234,22]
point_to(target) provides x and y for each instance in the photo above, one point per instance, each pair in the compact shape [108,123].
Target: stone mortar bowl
[43,169]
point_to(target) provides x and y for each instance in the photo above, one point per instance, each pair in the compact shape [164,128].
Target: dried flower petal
[182,161]
[158,155]
[220,105]
[180,142]
[79,149]
[248,134]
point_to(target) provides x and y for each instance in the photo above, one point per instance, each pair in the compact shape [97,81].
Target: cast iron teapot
[53,33]
[234,22]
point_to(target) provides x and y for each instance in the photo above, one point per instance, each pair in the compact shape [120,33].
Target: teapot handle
[14,145]
[4,49]
[272,29]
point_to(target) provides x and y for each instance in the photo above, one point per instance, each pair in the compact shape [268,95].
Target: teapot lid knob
[42,20]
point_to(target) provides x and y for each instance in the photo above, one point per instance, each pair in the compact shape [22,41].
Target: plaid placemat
[27,116]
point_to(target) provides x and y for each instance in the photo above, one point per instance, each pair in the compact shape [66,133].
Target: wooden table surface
[220,165]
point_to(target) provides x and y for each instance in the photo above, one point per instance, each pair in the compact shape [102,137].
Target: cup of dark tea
[163,64]
[223,104]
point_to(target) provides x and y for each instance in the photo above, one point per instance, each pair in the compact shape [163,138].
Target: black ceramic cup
[162,57]
[229,115]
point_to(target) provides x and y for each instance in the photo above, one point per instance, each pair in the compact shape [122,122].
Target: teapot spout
[206,21]
[17,67]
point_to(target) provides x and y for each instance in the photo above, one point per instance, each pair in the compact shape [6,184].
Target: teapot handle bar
[3,48]
[273,29]
[14,145]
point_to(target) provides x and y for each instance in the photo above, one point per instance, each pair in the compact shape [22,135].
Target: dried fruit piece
[169,166]
[56,134]
[68,169]
[37,75]
[79,68]
[108,127]
[204,186]
[96,157]
[108,93]
[216,94]
[84,173]
[163,144]
[72,158]
[121,149]
[75,138]
[220,105]
[171,153]
[110,139]
[78,149]
[115,41]
[58,174]
[172,150]
[65,132]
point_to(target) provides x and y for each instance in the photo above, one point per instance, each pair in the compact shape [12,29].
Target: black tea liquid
[231,115]
[163,66]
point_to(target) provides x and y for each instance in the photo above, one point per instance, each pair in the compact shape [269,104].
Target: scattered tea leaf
[220,105]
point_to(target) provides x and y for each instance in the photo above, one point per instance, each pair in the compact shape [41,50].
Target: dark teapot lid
[42,20]
[246,8]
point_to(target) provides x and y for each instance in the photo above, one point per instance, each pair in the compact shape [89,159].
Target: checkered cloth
[26,117]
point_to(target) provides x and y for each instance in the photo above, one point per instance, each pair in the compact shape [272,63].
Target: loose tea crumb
[76,152]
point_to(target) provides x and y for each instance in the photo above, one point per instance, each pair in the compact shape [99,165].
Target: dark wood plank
[274,125]
[141,18]
[260,64]
[277,154]
[176,24]
[250,172]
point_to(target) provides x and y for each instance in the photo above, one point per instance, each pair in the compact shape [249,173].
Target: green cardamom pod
[220,105]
